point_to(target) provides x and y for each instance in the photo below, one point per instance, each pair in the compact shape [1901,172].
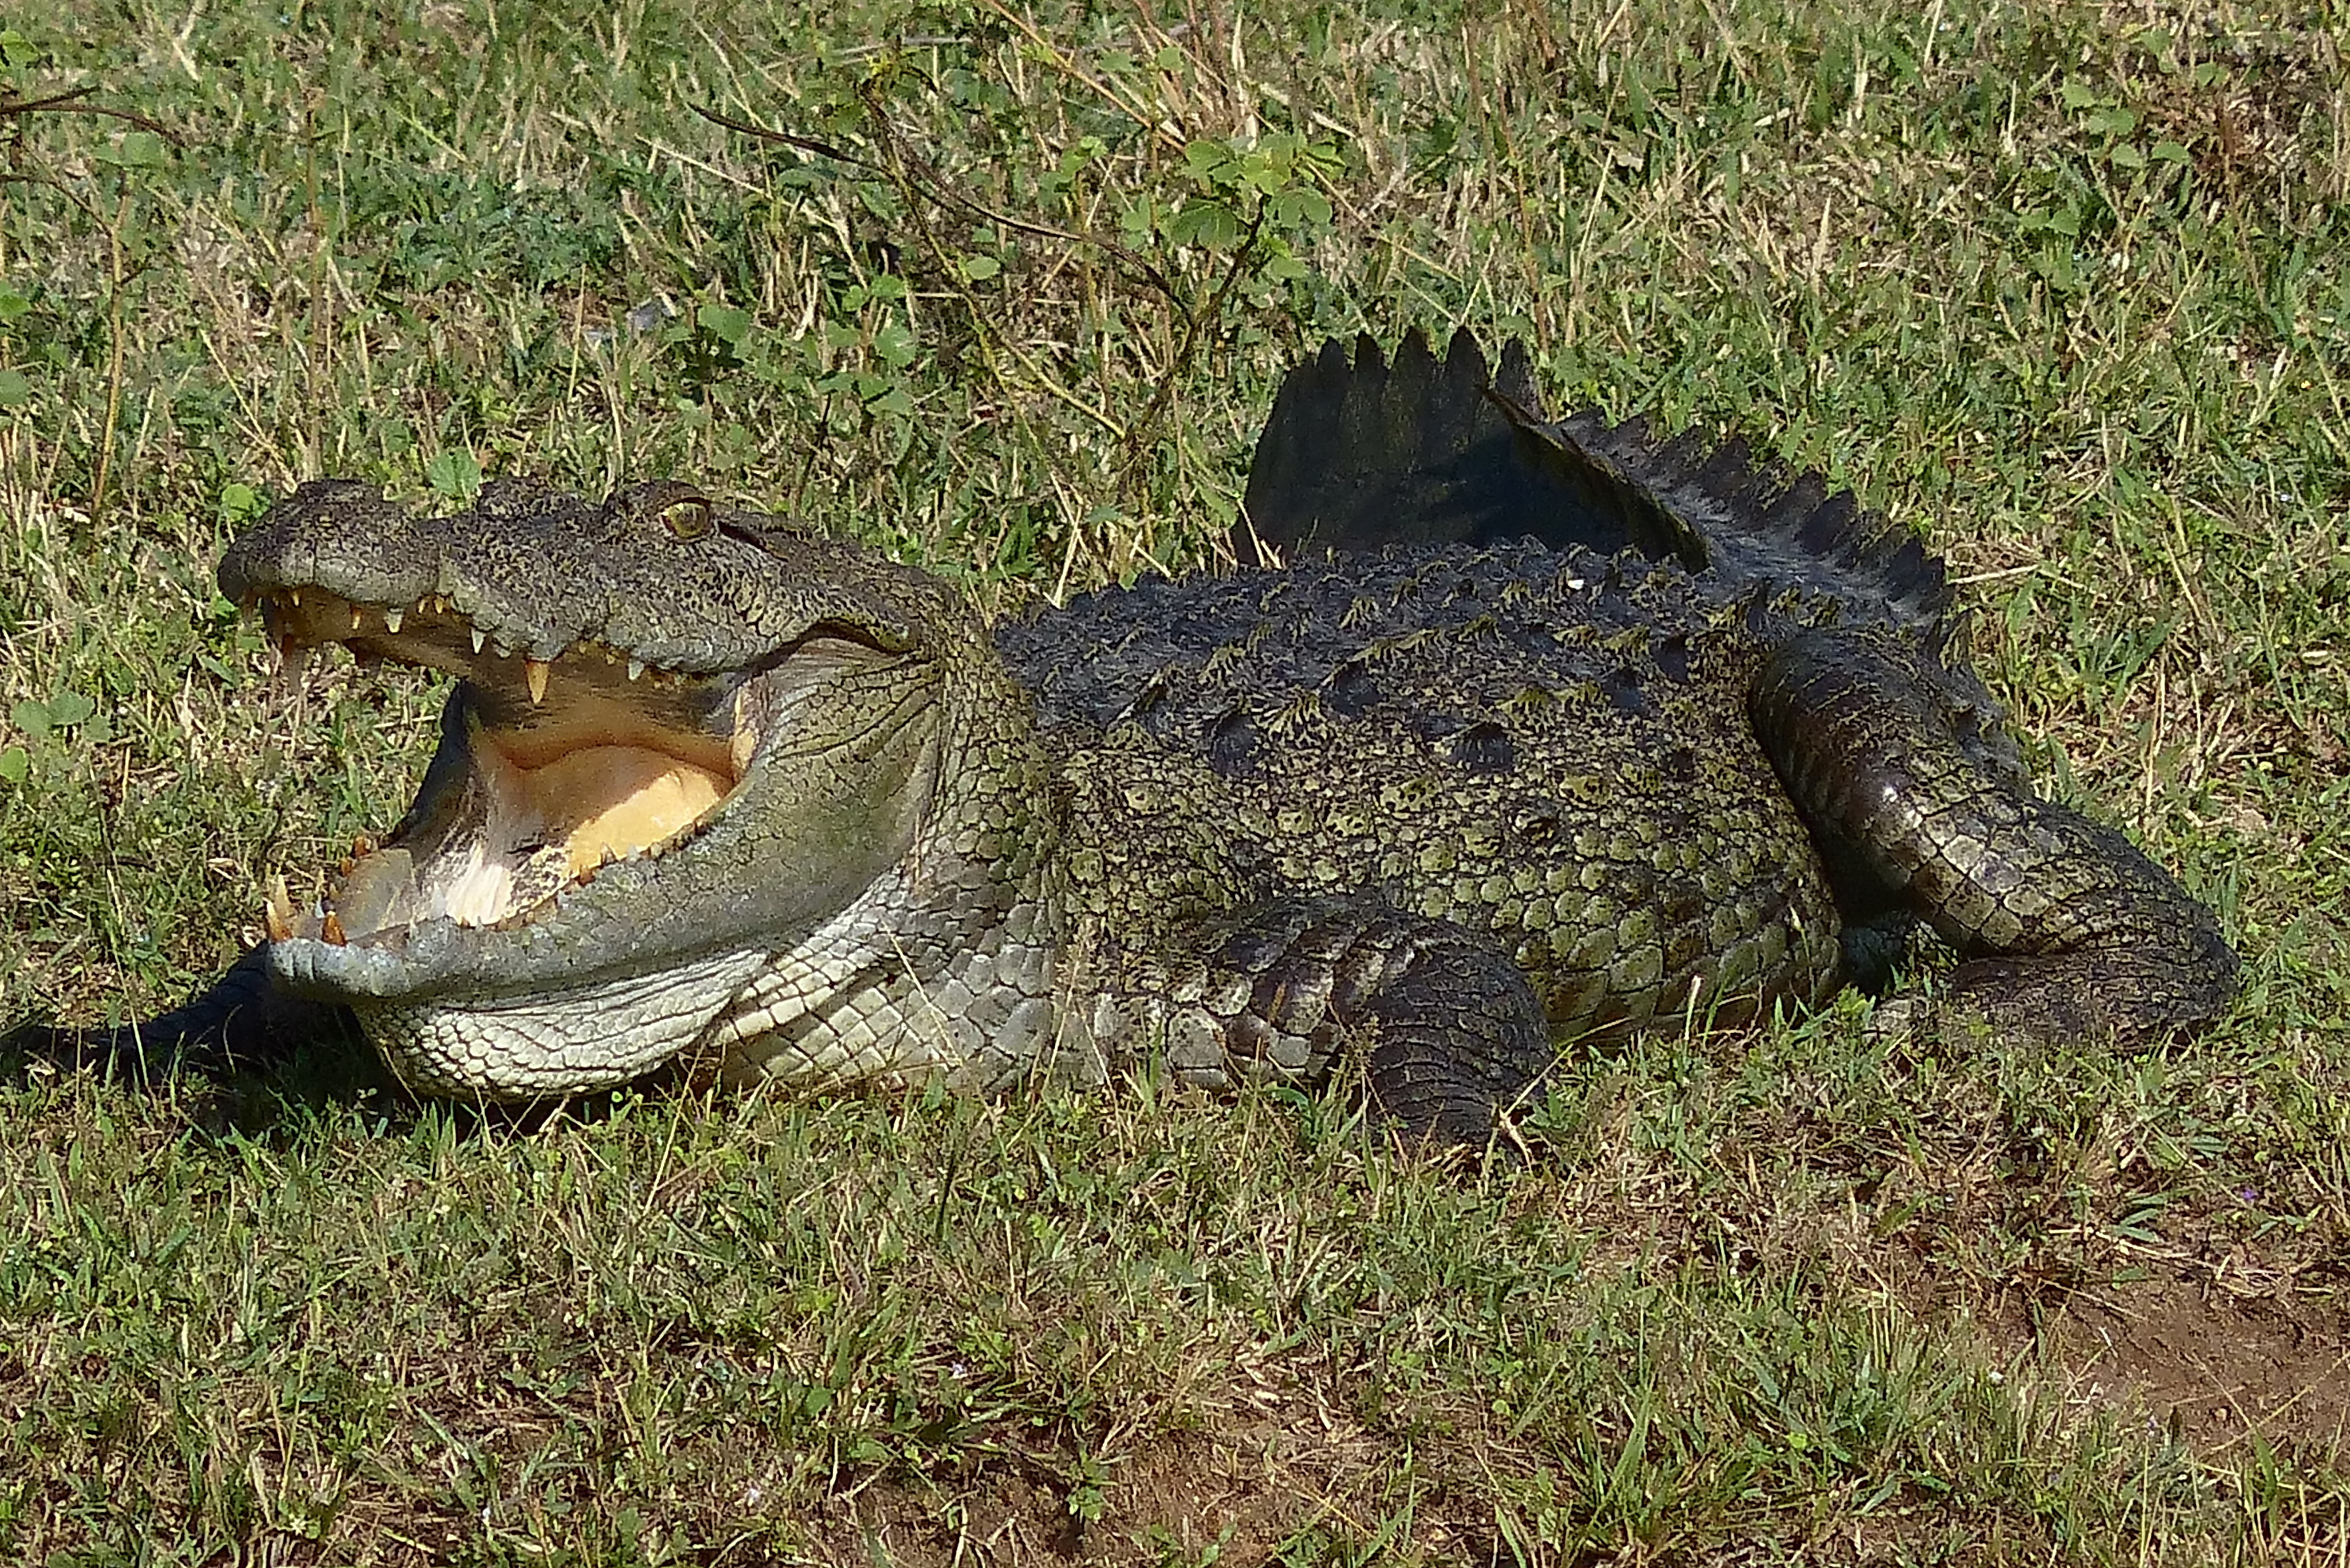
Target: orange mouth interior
[570,764]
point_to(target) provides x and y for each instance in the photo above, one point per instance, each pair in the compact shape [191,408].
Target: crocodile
[1504,733]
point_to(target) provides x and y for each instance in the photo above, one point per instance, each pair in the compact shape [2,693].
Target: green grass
[2060,286]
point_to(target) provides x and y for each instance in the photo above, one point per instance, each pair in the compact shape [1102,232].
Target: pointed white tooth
[480,637]
[277,910]
[534,670]
[359,618]
[391,619]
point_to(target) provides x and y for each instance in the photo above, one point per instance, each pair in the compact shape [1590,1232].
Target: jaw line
[838,827]
[520,807]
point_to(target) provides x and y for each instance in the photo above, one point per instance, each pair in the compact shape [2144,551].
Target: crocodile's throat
[548,770]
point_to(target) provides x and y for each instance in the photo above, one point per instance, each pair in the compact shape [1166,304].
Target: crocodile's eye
[688,519]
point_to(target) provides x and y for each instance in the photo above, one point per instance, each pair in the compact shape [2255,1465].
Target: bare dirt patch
[1178,1496]
[1279,1464]
[2214,1369]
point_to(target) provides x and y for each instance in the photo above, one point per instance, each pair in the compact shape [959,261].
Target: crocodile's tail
[1361,454]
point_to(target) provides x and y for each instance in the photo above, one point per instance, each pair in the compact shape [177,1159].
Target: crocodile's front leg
[2066,930]
[1454,1032]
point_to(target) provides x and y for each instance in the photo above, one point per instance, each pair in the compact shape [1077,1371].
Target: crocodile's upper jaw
[548,771]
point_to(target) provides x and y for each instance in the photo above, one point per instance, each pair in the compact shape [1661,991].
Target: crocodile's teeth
[746,736]
[636,669]
[391,619]
[534,670]
[332,930]
[277,910]
[359,618]
[480,638]
[293,597]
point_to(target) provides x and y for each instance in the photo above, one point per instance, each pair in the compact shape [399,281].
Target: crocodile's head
[681,739]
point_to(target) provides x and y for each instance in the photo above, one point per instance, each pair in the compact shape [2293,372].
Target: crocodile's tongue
[548,770]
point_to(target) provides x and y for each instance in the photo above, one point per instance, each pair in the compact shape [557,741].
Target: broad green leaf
[726,323]
[895,344]
[454,474]
[1204,222]
[137,149]
[240,504]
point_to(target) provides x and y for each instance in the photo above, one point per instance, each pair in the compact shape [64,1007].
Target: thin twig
[1054,55]
[1195,323]
[789,138]
[105,464]
[70,102]
[915,174]
[923,176]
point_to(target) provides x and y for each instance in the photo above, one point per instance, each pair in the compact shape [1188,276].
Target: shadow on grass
[254,1082]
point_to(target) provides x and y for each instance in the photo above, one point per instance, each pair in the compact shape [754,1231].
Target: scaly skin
[1694,748]
[2066,928]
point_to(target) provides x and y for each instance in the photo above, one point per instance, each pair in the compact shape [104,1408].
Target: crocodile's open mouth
[548,770]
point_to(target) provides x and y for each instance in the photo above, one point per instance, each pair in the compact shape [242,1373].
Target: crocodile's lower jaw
[547,1043]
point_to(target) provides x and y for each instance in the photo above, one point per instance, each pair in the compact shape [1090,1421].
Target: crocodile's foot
[2067,931]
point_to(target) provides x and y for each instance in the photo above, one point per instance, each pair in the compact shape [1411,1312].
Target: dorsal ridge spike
[1367,452]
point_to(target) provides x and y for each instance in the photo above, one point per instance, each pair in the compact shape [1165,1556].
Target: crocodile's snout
[658,700]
